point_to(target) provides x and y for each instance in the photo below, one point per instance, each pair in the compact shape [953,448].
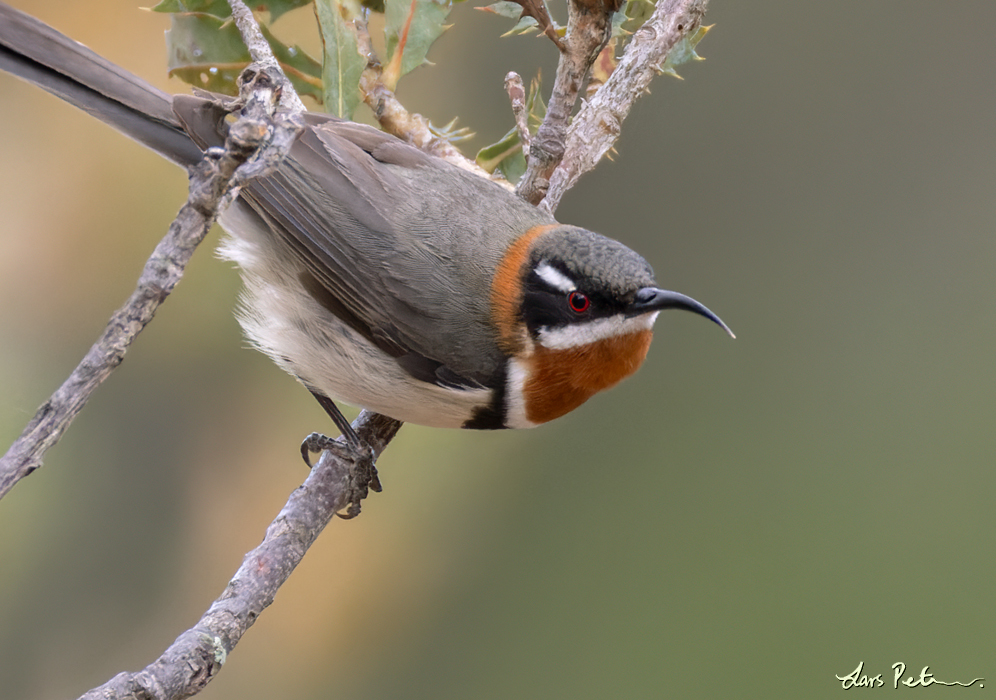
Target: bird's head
[575,313]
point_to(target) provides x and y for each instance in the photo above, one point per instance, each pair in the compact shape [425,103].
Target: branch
[198,654]
[597,125]
[261,53]
[589,25]
[256,143]
[392,115]
[517,96]
[211,183]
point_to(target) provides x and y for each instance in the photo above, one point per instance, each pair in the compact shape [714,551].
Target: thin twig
[208,183]
[260,52]
[213,184]
[538,10]
[589,25]
[597,125]
[517,95]
[198,654]
[392,115]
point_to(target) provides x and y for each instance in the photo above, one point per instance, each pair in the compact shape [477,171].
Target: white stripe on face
[555,278]
[575,335]
[515,398]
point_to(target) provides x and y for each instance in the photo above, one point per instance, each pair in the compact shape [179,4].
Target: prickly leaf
[410,28]
[343,64]
[221,8]
[505,155]
[217,8]
[208,52]
[684,51]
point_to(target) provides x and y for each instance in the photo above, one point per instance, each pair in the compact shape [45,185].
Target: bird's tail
[40,55]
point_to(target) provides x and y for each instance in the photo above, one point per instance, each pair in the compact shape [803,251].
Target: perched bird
[384,277]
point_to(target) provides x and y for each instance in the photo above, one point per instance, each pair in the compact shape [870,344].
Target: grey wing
[394,243]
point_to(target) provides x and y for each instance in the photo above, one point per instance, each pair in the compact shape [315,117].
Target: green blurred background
[743,519]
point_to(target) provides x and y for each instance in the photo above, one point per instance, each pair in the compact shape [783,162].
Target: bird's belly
[283,320]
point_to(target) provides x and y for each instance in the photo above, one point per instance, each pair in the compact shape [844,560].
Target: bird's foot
[362,475]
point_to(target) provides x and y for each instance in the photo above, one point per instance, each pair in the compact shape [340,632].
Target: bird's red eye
[578,301]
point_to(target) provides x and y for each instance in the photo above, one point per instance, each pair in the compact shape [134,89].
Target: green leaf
[451,132]
[637,13]
[523,26]
[343,63]
[535,106]
[410,28]
[221,8]
[276,8]
[492,157]
[618,19]
[504,8]
[513,167]
[217,8]
[205,52]
[208,52]
[684,51]
[506,155]
[529,16]
[304,72]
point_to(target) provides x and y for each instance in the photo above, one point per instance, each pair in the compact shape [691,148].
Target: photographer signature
[858,679]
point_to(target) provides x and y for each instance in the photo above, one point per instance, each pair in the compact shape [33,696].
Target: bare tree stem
[260,52]
[394,118]
[213,183]
[197,655]
[208,184]
[517,95]
[597,125]
[559,155]
[160,275]
[589,24]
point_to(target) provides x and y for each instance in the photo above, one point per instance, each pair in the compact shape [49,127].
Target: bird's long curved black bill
[651,299]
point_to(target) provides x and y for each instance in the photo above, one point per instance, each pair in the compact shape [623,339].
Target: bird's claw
[363,476]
